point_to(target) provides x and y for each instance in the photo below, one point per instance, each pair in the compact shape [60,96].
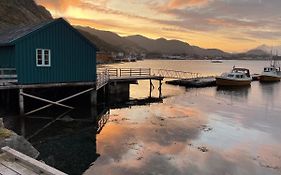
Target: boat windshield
[241,71]
[268,69]
[239,76]
[230,75]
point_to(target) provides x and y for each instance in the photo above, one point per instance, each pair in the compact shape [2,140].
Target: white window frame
[43,58]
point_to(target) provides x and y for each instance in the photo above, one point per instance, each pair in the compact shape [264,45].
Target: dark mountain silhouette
[113,39]
[138,43]
[15,13]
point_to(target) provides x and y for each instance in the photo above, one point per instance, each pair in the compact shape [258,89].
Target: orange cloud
[186,3]
[60,5]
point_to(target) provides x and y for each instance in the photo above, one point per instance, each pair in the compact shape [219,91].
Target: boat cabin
[240,72]
[271,69]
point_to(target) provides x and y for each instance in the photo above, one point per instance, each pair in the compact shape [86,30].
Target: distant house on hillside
[51,52]
[104,57]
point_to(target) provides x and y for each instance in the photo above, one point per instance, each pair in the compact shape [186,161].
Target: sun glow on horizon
[197,22]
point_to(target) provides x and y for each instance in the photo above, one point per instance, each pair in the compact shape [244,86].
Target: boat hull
[229,82]
[267,78]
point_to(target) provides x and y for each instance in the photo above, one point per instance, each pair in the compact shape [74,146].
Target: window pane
[46,57]
[39,57]
[46,61]
[46,52]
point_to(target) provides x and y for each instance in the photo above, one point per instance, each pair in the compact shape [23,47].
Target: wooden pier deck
[16,163]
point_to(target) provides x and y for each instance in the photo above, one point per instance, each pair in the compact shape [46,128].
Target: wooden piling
[21,102]
[150,88]
[160,88]
[94,97]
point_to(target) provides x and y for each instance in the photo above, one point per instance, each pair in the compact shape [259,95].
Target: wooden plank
[32,162]
[18,168]
[7,171]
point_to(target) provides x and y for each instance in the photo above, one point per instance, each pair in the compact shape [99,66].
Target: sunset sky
[231,25]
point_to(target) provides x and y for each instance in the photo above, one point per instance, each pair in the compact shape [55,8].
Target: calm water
[209,131]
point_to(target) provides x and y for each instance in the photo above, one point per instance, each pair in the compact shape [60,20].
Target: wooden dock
[16,163]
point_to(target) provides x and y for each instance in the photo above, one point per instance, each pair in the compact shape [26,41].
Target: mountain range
[275,50]
[142,44]
[15,13]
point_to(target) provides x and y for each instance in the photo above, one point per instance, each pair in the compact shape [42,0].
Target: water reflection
[137,102]
[72,136]
[270,94]
[149,140]
[177,139]
[239,94]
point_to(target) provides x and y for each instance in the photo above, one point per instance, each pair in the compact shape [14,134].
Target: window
[43,57]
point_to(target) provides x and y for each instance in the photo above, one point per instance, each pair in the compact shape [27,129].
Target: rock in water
[16,142]
[20,144]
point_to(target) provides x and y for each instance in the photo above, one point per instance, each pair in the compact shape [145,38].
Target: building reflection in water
[69,142]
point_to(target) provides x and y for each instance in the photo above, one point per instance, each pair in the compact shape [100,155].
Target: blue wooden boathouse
[48,53]
[52,54]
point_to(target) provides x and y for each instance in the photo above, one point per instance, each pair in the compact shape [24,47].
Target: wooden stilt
[150,88]
[21,102]
[160,88]
[94,97]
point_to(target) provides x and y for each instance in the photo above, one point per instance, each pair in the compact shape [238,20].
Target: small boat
[270,74]
[216,61]
[237,77]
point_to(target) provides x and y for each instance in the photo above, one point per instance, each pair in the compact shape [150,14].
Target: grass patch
[5,133]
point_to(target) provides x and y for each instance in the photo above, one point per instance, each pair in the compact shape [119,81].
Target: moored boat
[270,74]
[237,77]
[216,61]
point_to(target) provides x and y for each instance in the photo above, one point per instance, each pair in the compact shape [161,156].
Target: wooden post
[150,89]
[160,88]
[94,97]
[21,102]
[104,94]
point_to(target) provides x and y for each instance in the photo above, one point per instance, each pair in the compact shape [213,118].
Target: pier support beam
[160,88]
[21,102]
[94,97]
[150,88]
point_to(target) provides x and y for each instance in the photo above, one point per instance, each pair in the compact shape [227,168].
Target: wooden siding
[72,58]
[7,57]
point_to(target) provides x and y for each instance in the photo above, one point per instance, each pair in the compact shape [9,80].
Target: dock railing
[105,75]
[102,78]
[135,72]
[174,74]
[144,72]
[128,72]
[8,75]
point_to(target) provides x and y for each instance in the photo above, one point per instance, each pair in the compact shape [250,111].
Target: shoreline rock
[16,142]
